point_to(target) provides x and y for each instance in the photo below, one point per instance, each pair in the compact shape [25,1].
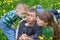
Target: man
[28,29]
[10,17]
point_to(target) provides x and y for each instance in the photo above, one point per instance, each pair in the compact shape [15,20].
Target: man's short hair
[33,10]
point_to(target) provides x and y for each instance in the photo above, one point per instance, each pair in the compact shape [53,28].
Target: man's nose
[28,17]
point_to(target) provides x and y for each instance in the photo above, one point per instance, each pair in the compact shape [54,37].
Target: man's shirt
[33,32]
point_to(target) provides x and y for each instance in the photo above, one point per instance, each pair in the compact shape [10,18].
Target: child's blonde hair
[21,7]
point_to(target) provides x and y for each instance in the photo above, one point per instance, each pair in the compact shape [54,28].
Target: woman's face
[40,22]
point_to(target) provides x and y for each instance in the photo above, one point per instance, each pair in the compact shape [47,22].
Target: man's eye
[32,15]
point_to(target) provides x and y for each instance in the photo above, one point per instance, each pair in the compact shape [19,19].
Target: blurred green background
[7,5]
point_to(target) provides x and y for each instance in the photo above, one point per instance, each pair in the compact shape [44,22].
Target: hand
[12,27]
[20,38]
[28,38]
[23,37]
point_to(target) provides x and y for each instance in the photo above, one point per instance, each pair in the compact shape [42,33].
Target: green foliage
[7,5]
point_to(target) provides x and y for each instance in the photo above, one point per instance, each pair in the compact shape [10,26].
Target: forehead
[21,7]
[31,13]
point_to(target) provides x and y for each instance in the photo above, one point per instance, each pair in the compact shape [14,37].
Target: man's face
[31,17]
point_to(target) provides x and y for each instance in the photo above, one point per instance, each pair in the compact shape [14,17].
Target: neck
[31,24]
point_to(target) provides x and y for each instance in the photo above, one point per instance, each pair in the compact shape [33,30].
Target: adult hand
[28,38]
[23,37]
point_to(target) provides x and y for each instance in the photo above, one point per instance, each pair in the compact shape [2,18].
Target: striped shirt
[9,18]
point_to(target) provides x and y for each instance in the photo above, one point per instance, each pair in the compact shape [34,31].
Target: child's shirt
[48,33]
[9,18]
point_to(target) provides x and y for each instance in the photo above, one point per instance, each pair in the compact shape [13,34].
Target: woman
[46,20]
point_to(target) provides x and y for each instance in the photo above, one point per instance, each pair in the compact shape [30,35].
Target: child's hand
[12,27]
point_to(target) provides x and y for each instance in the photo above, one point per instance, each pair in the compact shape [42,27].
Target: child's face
[21,11]
[21,14]
[40,22]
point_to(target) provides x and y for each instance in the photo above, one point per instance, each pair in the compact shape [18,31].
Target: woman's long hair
[48,17]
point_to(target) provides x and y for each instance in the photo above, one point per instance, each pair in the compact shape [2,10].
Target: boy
[7,20]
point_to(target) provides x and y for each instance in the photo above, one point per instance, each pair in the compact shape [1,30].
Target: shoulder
[11,12]
[22,22]
[37,27]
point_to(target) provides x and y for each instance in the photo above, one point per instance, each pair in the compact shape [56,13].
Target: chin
[27,21]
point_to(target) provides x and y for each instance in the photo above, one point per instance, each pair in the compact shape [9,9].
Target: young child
[7,20]
[49,26]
